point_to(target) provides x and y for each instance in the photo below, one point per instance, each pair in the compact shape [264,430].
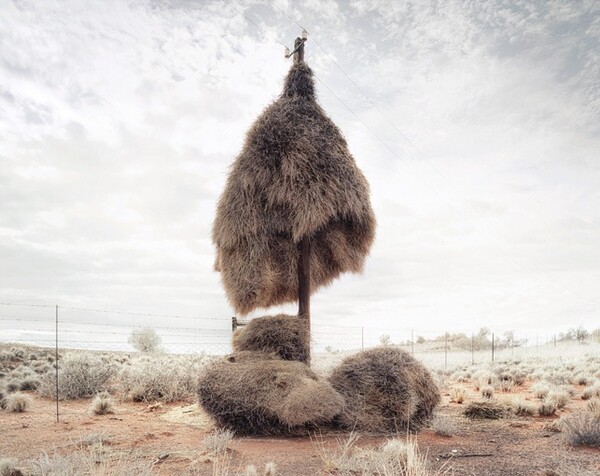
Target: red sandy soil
[518,446]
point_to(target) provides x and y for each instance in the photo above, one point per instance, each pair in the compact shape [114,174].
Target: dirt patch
[169,438]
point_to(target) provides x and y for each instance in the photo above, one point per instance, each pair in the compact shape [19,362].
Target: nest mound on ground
[256,393]
[485,410]
[285,336]
[386,390]
[294,178]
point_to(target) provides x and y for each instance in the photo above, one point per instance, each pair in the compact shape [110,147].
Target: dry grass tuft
[255,393]
[386,390]
[285,336]
[443,426]
[487,409]
[218,441]
[582,429]
[487,391]
[547,408]
[17,402]
[102,404]
[458,394]
[394,458]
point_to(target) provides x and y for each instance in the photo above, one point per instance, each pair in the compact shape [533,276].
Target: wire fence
[67,327]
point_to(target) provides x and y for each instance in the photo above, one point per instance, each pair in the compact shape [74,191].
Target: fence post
[412,342]
[362,338]
[56,363]
[446,351]
[472,348]
[493,346]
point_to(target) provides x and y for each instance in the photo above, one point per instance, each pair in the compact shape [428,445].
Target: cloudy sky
[477,125]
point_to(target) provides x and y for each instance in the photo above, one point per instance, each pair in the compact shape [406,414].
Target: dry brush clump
[393,458]
[218,441]
[102,404]
[582,429]
[385,390]
[256,393]
[285,336]
[294,178]
[159,378]
[81,375]
[17,402]
[10,467]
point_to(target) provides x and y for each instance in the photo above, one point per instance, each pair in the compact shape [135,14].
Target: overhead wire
[562,289]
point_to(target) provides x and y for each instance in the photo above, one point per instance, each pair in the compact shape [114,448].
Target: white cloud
[118,124]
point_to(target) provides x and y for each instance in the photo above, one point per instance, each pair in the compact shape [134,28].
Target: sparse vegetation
[102,404]
[9,467]
[458,394]
[17,402]
[547,408]
[218,441]
[486,409]
[582,429]
[443,425]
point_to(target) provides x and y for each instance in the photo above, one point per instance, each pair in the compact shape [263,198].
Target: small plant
[145,340]
[102,404]
[591,392]
[252,471]
[487,391]
[17,402]
[582,429]
[593,406]
[507,386]
[559,397]
[218,441]
[523,407]
[540,390]
[443,426]
[29,383]
[458,394]
[547,408]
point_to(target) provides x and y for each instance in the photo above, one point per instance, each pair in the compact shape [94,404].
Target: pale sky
[119,120]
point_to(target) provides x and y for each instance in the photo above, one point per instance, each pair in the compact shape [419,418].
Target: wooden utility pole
[304,286]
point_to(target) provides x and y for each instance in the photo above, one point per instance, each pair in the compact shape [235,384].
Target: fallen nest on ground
[257,393]
[485,410]
[285,336]
[386,390]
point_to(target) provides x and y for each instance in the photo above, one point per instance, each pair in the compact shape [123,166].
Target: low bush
[218,441]
[487,391]
[443,426]
[582,429]
[486,409]
[9,467]
[17,402]
[547,408]
[102,404]
[81,375]
[458,394]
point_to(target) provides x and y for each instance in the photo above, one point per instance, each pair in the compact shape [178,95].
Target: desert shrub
[102,404]
[385,389]
[485,379]
[394,457]
[285,336]
[29,383]
[547,408]
[12,386]
[523,407]
[583,379]
[559,397]
[458,394]
[81,375]
[593,406]
[270,470]
[591,392]
[9,467]
[252,392]
[485,409]
[218,441]
[540,390]
[17,402]
[145,340]
[506,385]
[443,426]
[160,378]
[582,429]
[487,391]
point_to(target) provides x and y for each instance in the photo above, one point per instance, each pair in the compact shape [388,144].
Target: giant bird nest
[294,178]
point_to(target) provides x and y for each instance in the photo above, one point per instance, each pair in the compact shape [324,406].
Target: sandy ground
[170,436]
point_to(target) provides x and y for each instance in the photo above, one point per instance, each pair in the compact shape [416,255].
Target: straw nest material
[294,178]
[257,393]
[485,410]
[285,336]
[386,390]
